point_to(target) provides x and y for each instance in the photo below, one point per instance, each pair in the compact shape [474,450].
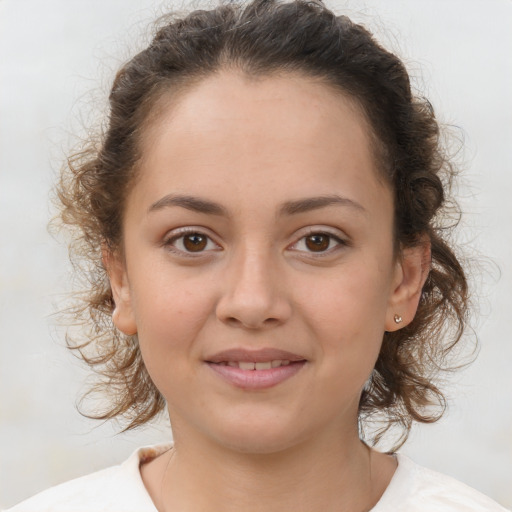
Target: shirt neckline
[401,482]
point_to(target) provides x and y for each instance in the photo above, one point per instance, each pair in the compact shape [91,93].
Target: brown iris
[194,242]
[318,242]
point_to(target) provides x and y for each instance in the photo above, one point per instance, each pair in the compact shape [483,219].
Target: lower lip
[257,379]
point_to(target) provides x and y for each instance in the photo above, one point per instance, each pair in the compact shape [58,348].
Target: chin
[258,436]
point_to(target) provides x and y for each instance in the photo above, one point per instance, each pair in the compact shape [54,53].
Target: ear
[123,315]
[412,269]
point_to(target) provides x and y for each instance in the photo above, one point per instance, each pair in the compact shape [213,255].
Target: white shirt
[120,489]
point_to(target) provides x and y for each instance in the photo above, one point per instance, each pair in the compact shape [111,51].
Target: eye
[318,242]
[191,242]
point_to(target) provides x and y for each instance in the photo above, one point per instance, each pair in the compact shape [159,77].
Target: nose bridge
[252,293]
[254,264]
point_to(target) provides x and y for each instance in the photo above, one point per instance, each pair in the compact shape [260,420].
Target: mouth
[249,365]
[254,370]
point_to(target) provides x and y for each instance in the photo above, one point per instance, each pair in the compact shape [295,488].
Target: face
[258,266]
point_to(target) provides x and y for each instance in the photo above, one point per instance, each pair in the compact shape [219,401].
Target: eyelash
[183,233]
[338,243]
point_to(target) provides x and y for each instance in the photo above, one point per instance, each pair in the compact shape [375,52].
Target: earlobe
[122,316]
[412,271]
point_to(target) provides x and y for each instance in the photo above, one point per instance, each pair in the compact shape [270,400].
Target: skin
[251,148]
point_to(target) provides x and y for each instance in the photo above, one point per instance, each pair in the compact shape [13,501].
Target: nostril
[251,324]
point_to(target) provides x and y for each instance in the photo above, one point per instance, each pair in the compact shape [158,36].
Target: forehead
[300,105]
[283,129]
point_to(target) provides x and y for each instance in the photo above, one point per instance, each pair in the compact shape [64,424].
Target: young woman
[262,225]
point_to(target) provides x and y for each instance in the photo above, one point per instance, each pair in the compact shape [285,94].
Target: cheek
[355,297]
[348,315]
[166,297]
[170,312]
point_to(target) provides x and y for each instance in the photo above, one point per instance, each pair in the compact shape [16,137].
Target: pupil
[194,242]
[317,243]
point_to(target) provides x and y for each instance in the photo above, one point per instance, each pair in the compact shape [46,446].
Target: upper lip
[254,356]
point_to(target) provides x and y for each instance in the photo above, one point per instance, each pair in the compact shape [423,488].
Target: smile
[253,370]
[248,365]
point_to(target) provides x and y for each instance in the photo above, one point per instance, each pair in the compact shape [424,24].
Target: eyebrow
[200,205]
[195,204]
[314,203]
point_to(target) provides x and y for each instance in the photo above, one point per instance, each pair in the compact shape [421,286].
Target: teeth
[246,366]
[265,365]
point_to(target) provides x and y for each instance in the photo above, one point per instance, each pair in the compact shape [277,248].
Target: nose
[254,293]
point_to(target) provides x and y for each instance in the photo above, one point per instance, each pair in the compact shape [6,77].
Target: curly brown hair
[259,39]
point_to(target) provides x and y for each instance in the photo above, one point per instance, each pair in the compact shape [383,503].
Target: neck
[198,475]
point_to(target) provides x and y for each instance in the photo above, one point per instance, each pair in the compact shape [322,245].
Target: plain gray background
[53,52]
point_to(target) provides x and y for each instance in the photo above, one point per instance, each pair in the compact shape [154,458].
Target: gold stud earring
[398,319]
